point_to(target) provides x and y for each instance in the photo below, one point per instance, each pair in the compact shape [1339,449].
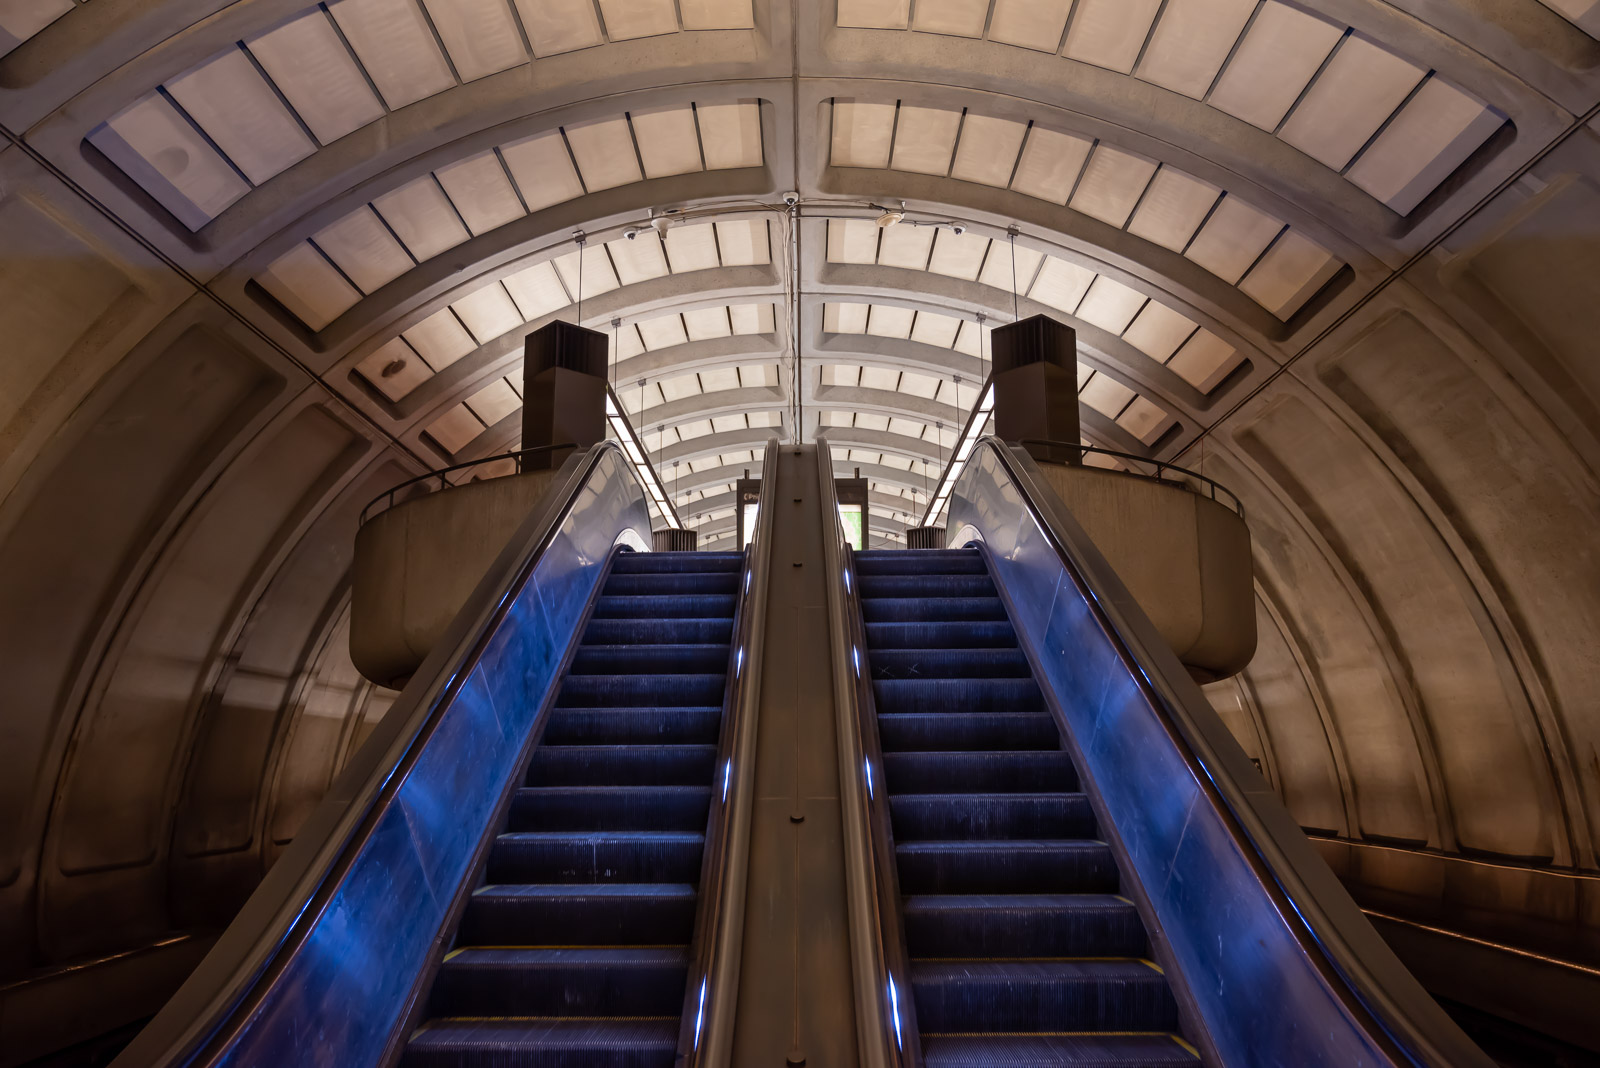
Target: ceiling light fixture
[890,216]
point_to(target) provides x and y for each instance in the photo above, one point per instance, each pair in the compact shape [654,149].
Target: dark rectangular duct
[564,391]
[1036,386]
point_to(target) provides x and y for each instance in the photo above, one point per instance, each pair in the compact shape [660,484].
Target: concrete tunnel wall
[180,482]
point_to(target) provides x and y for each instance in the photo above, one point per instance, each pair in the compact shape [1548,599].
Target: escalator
[538,857]
[1022,950]
[1057,854]
[575,950]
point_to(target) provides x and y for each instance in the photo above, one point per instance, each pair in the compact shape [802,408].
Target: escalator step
[604,981]
[1055,1050]
[1042,995]
[969,634]
[1029,771]
[658,583]
[596,857]
[622,765]
[668,606]
[950,664]
[700,658]
[639,1042]
[1080,865]
[930,609]
[634,726]
[956,695]
[941,586]
[601,914]
[1023,925]
[947,817]
[920,562]
[640,691]
[610,808]
[659,632]
[658,563]
[941,731]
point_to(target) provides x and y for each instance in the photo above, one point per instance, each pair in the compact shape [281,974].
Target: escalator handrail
[214,1003]
[886,1028]
[1359,964]
[720,924]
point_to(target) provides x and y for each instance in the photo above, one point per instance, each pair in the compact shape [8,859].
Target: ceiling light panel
[392,40]
[663,332]
[481,192]
[1035,24]
[440,339]
[722,424]
[695,428]
[913,384]
[1358,90]
[853,241]
[236,107]
[872,421]
[1112,184]
[751,318]
[1158,331]
[1110,305]
[934,329]
[957,255]
[879,378]
[730,134]
[317,75]
[1110,33]
[158,148]
[762,375]
[961,18]
[889,321]
[488,313]
[839,374]
[906,247]
[303,281]
[680,387]
[494,402]
[638,259]
[874,14]
[1000,272]
[364,249]
[925,139]
[1061,285]
[717,14]
[394,370]
[1205,360]
[629,19]
[605,154]
[862,134]
[1144,419]
[537,291]
[1173,207]
[629,344]
[703,323]
[1105,395]
[719,380]
[972,339]
[543,169]
[668,141]
[1232,239]
[743,242]
[480,35]
[20,21]
[455,429]
[1584,14]
[844,318]
[422,217]
[1050,164]
[1432,135]
[598,277]
[1191,41]
[556,26]
[1293,269]
[1276,60]
[987,152]
[692,248]
[908,428]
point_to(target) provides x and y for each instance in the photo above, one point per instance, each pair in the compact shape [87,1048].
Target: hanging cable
[583,239]
[1015,313]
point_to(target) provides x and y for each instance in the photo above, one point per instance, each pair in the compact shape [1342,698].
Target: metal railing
[1162,467]
[444,483]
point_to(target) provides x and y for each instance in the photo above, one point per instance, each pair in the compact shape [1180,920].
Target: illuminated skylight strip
[634,448]
[964,446]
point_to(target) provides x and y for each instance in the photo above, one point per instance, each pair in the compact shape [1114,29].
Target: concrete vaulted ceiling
[391,190]
[262,260]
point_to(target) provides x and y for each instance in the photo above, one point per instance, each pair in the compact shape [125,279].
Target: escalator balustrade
[575,950]
[1022,950]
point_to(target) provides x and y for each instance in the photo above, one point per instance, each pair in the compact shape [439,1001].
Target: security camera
[631,232]
[791,199]
[958,228]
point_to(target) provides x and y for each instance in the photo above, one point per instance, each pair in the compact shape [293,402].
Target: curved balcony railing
[518,460]
[1161,467]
